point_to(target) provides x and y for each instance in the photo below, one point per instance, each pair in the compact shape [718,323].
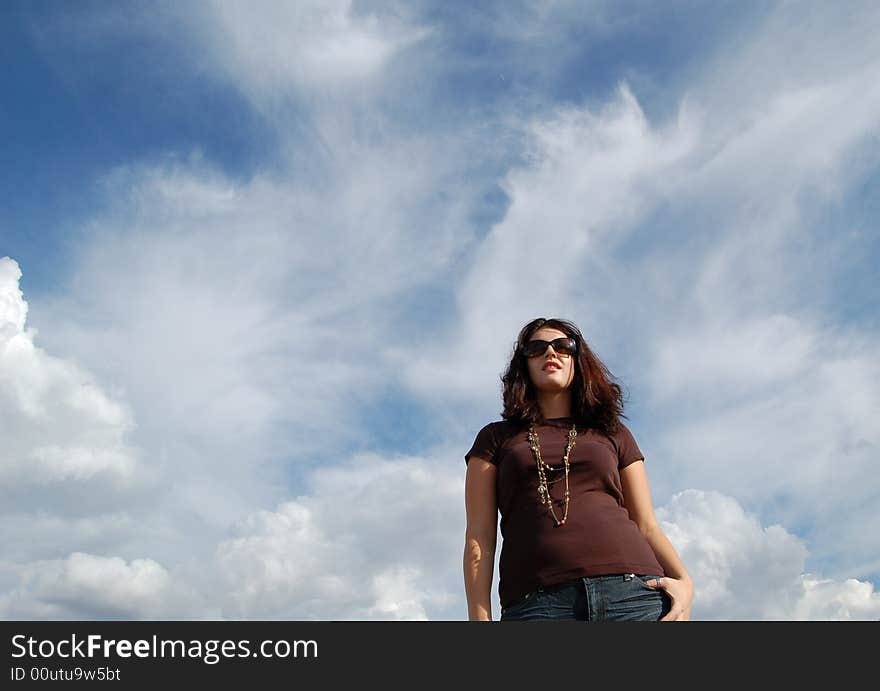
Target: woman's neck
[555,404]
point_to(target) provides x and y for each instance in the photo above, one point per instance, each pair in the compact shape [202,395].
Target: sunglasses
[564,347]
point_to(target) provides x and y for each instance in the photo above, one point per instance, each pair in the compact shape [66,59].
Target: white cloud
[765,351]
[71,479]
[399,595]
[86,586]
[13,308]
[57,423]
[373,540]
[824,599]
[313,44]
[797,437]
[737,172]
[738,566]
[745,571]
[245,320]
[590,177]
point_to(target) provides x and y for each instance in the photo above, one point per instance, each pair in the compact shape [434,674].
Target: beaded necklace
[543,484]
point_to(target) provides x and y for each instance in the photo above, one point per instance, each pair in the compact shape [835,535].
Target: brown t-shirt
[598,538]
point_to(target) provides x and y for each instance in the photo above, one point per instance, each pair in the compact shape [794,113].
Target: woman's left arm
[677,582]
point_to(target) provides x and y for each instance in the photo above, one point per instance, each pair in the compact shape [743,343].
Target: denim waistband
[614,577]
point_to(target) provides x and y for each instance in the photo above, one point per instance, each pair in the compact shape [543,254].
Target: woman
[580,538]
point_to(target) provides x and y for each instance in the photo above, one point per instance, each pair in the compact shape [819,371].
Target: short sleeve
[485,445]
[628,450]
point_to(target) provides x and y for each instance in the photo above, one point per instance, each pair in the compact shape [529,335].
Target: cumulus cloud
[825,599]
[60,428]
[372,540]
[743,570]
[380,560]
[86,586]
[71,479]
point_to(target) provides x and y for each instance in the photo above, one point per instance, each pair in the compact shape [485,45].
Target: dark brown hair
[596,397]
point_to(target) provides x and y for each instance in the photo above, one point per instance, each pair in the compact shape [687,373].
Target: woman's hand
[681,591]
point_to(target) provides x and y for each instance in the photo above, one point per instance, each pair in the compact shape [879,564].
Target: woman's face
[550,371]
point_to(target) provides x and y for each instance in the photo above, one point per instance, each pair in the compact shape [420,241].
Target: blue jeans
[619,597]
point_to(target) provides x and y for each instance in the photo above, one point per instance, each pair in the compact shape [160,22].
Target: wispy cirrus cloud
[312,45]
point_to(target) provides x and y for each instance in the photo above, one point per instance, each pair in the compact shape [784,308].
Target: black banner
[127,654]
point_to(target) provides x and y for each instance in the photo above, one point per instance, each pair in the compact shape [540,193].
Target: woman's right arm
[481,506]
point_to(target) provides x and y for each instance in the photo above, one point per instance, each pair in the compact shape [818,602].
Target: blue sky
[264,268]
